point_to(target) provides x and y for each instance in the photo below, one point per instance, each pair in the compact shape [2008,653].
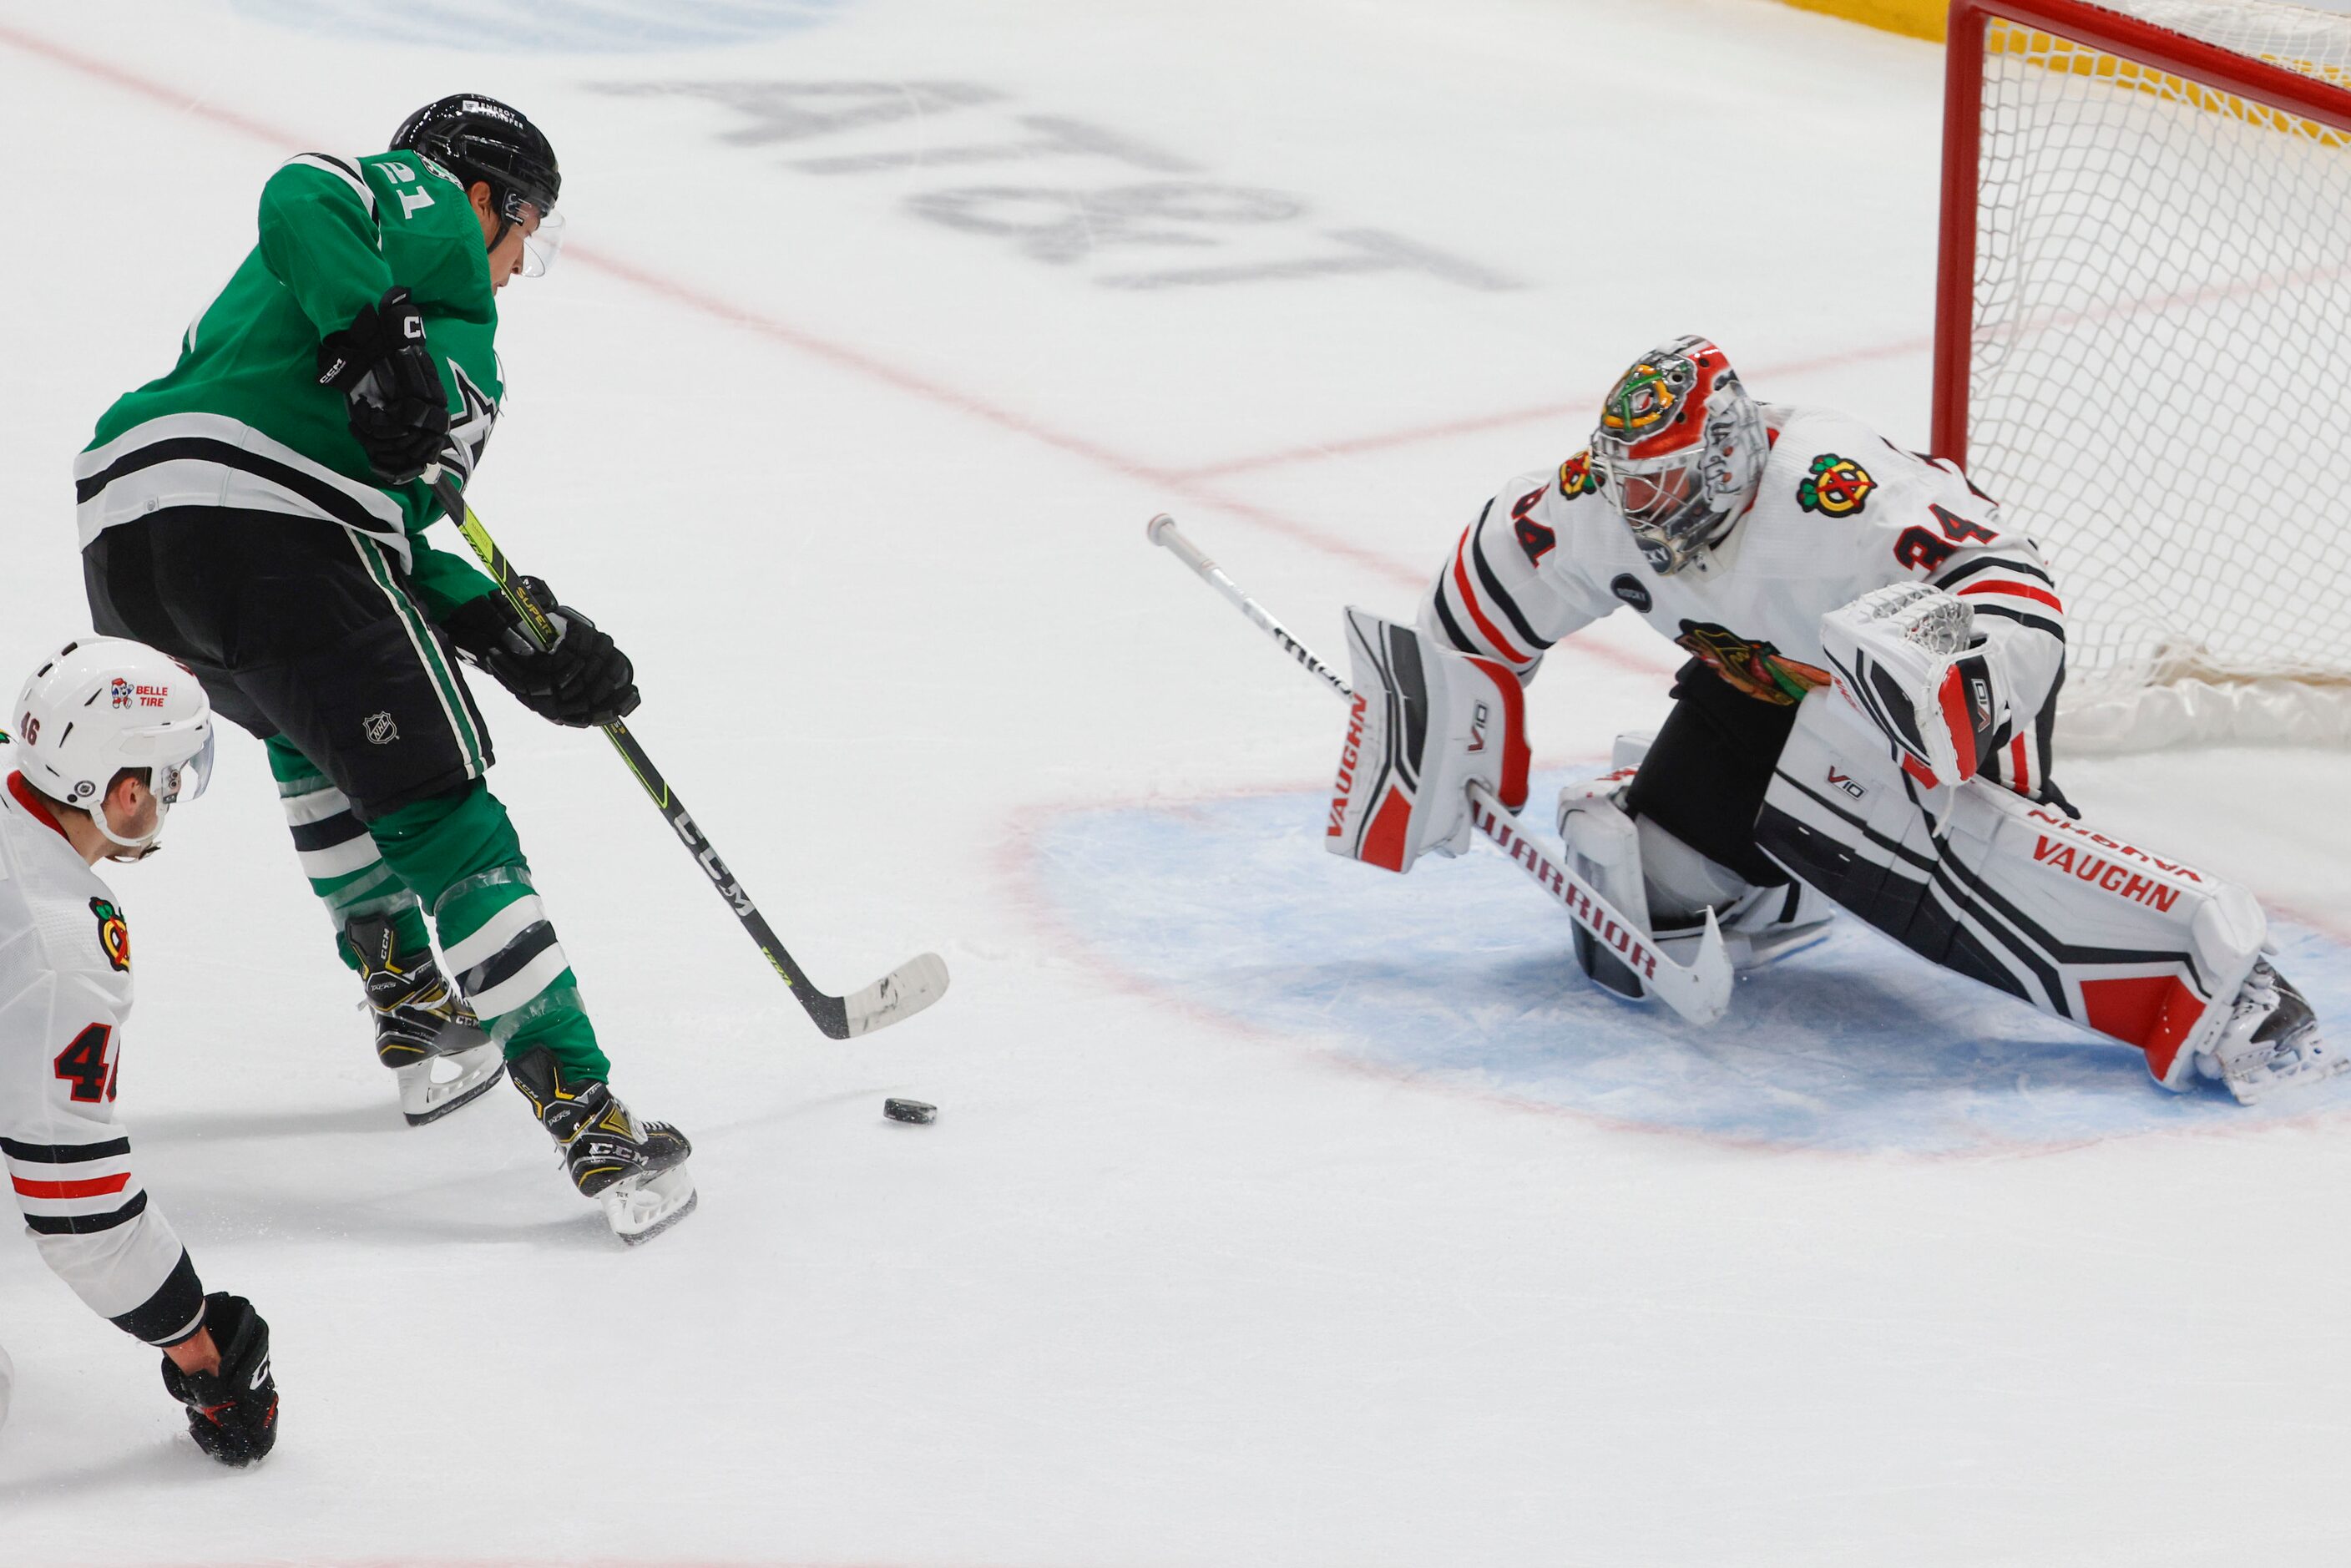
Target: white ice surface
[862,493]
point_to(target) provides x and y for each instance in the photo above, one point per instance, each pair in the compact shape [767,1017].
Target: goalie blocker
[1425,723]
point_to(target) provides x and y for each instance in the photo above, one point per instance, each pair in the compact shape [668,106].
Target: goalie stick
[898,995]
[1699,991]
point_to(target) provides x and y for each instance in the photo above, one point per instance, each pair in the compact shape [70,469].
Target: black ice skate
[635,1169]
[424,1031]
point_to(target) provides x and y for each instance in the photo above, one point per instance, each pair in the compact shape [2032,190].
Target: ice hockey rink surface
[1278,1211]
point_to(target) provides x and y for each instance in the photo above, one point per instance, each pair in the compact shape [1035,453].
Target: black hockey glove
[399,409]
[584,680]
[232,1413]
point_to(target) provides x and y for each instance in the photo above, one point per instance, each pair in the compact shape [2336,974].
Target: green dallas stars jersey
[242,421]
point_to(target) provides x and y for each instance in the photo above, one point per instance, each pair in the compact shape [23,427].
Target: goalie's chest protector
[1840,512]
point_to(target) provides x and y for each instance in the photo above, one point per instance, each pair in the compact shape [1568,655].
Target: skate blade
[1747,952]
[436,1101]
[643,1206]
[1766,948]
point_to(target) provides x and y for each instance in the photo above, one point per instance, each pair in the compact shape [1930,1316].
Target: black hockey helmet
[477,137]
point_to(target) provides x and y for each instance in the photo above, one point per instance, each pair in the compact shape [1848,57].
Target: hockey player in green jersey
[261,514]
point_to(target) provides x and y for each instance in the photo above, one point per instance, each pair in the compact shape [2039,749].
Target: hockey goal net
[2143,348]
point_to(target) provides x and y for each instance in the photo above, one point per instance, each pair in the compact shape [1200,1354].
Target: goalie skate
[2271,1041]
[1761,927]
[1669,888]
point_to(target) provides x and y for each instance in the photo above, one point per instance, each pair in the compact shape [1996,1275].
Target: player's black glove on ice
[584,680]
[399,409]
[232,1413]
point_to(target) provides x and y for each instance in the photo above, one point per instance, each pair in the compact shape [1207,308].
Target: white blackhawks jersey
[1840,511]
[65,992]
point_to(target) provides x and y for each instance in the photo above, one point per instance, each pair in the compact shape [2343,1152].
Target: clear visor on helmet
[183,766]
[542,234]
[172,782]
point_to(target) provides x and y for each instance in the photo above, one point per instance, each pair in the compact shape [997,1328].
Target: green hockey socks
[457,856]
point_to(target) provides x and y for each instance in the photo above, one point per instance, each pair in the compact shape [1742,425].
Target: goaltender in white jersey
[1865,721]
[109,735]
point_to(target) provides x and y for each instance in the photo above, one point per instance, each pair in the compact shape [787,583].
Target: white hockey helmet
[105,704]
[1680,449]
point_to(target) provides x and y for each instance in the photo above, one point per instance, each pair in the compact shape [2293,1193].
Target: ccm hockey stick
[1699,991]
[900,994]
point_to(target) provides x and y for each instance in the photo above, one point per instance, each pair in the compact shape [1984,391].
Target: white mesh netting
[2160,386]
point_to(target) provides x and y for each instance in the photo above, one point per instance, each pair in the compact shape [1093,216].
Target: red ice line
[1185,484]
[1561,414]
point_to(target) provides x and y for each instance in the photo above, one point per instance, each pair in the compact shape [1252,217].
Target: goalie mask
[1680,450]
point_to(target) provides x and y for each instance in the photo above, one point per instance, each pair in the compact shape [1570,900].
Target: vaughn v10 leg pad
[2080,922]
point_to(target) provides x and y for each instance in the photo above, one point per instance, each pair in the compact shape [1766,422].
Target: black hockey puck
[909,1111]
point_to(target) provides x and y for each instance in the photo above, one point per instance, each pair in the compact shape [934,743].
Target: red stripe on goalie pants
[90,1187]
[1469,602]
[2016,591]
[2020,767]
[2154,1012]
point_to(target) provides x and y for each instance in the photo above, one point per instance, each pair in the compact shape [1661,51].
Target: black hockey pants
[1703,778]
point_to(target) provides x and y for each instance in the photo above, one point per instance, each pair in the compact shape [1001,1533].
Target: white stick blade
[900,994]
[1700,993]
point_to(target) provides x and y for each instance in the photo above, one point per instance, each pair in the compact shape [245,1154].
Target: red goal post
[2144,261]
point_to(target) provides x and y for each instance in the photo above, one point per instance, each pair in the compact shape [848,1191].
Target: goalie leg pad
[1656,878]
[1604,848]
[1426,722]
[2136,946]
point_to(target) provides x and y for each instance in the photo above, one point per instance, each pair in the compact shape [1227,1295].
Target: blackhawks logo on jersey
[1576,477]
[1757,669]
[113,935]
[1836,487]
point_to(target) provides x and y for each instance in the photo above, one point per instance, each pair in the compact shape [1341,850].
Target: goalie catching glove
[1909,657]
[1425,723]
[583,681]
